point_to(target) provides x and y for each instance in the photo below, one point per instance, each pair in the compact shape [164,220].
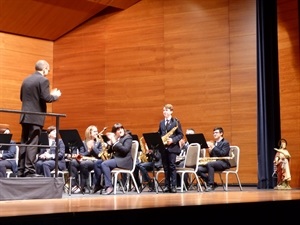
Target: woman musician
[85,160]
[120,143]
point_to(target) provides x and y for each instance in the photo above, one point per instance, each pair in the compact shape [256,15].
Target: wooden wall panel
[18,56]
[289,73]
[159,52]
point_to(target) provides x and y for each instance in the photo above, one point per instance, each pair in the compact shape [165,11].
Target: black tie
[167,122]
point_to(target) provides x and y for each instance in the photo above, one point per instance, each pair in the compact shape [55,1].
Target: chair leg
[238,179]
[224,186]
[135,184]
[199,187]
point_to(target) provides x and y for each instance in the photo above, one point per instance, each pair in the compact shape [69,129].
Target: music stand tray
[197,138]
[5,139]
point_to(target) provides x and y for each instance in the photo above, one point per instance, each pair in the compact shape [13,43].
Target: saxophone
[167,135]
[205,160]
[143,156]
[104,155]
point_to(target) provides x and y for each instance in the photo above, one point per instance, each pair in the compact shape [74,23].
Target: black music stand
[197,138]
[44,140]
[5,139]
[73,142]
[154,142]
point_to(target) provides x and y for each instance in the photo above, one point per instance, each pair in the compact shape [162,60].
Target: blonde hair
[88,132]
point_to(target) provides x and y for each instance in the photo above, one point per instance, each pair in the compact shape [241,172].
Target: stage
[249,205]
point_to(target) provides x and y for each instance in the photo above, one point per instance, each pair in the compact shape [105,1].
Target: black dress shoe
[97,188]
[215,185]
[173,190]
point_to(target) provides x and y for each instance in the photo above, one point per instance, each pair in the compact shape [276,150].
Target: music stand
[197,138]
[72,141]
[154,142]
[135,137]
[44,140]
[5,139]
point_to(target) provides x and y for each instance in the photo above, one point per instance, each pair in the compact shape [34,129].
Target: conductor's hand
[56,92]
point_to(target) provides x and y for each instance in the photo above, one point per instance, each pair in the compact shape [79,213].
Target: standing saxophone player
[171,132]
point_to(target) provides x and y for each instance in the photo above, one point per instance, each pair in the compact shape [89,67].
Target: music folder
[5,139]
[197,138]
[44,140]
[154,141]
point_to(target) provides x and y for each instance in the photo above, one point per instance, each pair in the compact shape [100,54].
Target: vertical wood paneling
[18,56]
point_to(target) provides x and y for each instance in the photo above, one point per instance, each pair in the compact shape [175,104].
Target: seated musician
[120,143]
[6,155]
[46,156]
[218,148]
[85,160]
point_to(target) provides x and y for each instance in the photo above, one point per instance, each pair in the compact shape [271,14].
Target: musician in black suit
[6,155]
[46,157]
[218,148]
[119,144]
[34,95]
[171,132]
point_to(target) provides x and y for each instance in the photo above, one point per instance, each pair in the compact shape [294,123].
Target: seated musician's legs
[47,167]
[106,168]
[85,167]
[97,176]
[202,172]
[39,167]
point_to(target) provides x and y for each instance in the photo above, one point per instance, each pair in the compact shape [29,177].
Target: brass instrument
[143,156]
[167,135]
[205,160]
[104,155]
[81,158]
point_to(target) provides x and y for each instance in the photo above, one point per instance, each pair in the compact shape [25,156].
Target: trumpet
[81,158]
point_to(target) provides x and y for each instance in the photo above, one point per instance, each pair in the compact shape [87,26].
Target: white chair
[117,171]
[16,158]
[191,164]
[234,169]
